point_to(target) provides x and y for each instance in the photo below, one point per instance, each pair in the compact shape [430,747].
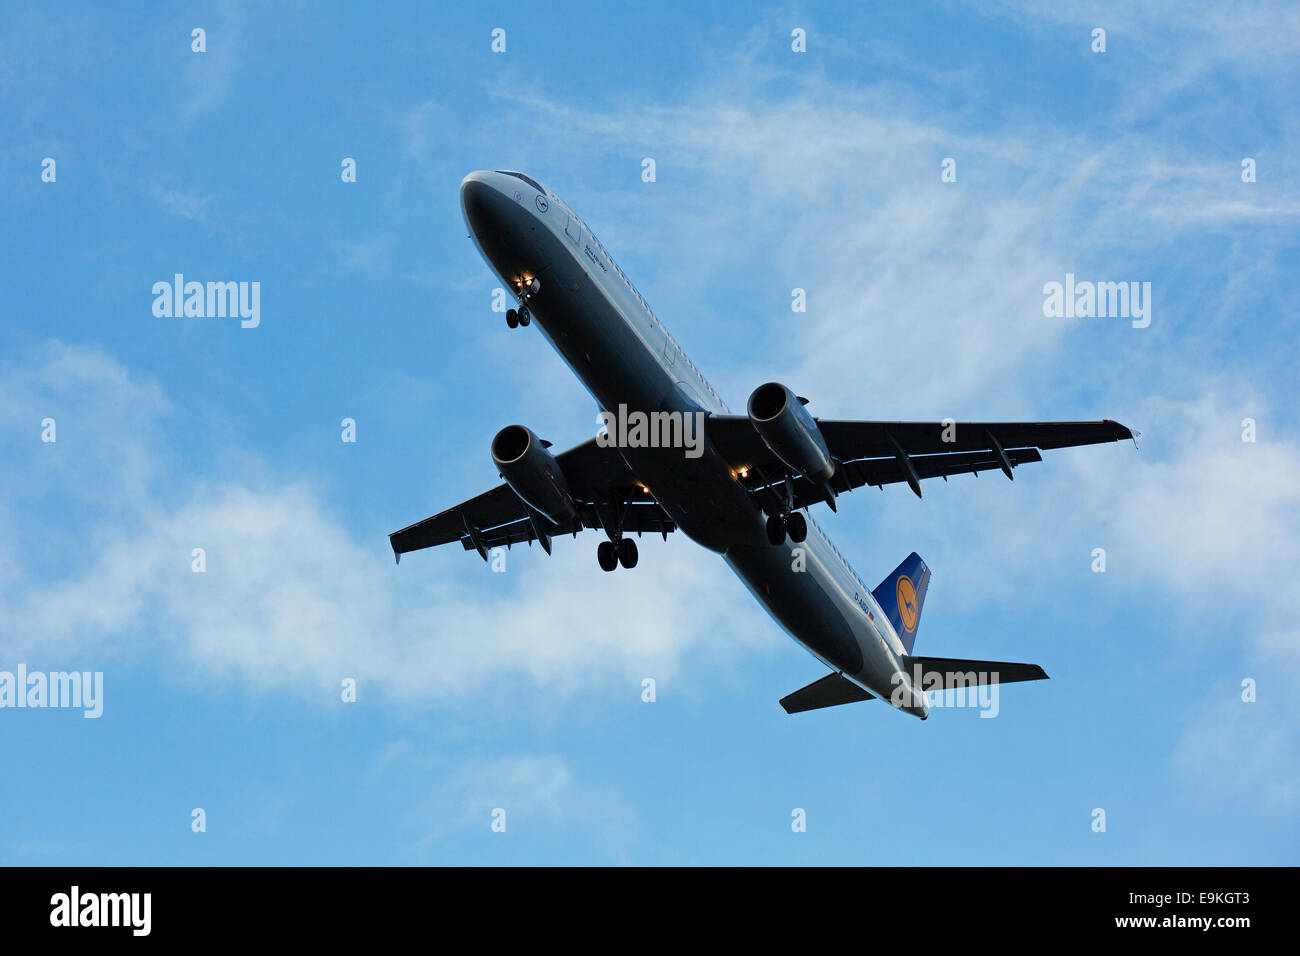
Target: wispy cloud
[925,301]
[187,205]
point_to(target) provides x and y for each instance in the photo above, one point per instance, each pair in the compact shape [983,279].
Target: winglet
[1133,433]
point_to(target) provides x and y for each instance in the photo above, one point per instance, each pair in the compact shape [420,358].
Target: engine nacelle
[789,431]
[533,473]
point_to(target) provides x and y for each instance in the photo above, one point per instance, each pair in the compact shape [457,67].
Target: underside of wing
[604,490]
[640,517]
[852,439]
[881,453]
[492,508]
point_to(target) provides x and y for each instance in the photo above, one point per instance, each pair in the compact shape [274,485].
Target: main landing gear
[611,555]
[787,520]
[525,289]
[618,549]
[792,523]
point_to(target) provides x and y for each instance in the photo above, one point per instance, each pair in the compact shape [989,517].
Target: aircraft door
[573,229]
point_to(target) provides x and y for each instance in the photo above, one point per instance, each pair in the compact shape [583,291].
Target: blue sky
[775,170]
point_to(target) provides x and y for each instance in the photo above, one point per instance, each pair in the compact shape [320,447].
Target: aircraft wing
[599,480]
[879,453]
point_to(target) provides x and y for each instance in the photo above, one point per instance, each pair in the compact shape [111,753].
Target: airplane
[745,490]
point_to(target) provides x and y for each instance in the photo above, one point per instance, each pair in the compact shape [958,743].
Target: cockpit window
[532,182]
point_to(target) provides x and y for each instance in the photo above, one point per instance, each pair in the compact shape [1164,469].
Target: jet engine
[789,431]
[533,473]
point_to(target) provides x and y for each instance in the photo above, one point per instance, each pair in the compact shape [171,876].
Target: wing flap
[884,471]
[642,518]
[488,510]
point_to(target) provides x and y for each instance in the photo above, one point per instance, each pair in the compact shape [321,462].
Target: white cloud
[530,786]
[186,204]
[290,599]
[539,793]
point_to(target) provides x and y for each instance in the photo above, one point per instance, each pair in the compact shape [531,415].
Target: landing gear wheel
[797,527]
[607,556]
[525,317]
[627,553]
[775,530]
[512,318]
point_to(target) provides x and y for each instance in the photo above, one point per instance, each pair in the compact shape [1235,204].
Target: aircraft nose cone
[486,208]
[479,201]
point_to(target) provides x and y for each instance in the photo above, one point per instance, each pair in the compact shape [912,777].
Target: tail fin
[901,595]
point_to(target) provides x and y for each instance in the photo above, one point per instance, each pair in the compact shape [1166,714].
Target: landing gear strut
[524,290]
[787,521]
[618,549]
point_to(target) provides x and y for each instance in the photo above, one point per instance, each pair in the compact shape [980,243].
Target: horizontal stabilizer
[946,673]
[827,692]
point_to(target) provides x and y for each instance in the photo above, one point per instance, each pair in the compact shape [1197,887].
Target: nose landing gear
[525,289]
